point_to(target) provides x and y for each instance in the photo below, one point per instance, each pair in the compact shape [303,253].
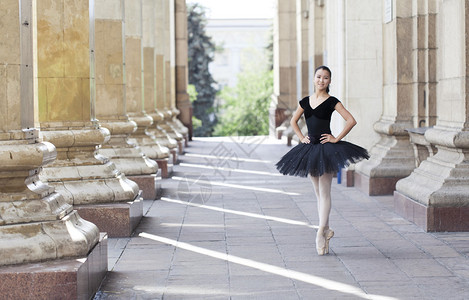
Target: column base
[279,131]
[435,219]
[77,278]
[348,177]
[181,145]
[164,168]
[174,155]
[116,219]
[375,186]
[147,184]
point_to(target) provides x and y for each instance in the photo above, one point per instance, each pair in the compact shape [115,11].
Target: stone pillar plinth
[436,194]
[168,127]
[285,96]
[110,99]
[392,156]
[37,223]
[38,227]
[130,159]
[422,148]
[162,137]
[391,159]
[180,127]
[66,89]
[75,278]
[134,86]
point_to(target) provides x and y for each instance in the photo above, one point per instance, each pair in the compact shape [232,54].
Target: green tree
[269,50]
[201,52]
[196,123]
[245,111]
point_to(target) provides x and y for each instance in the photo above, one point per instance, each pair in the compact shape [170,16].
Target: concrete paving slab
[247,233]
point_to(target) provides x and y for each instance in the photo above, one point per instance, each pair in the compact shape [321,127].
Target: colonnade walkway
[228,226]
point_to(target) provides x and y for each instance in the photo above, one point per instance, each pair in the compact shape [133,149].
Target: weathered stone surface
[145,140]
[116,219]
[76,278]
[391,157]
[440,201]
[64,95]
[110,102]
[36,223]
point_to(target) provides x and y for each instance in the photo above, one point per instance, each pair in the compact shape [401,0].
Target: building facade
[400,67]
[242,47]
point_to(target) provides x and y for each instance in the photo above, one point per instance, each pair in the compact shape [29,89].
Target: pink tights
[322,188]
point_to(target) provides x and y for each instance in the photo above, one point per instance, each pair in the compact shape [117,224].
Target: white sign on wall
[387,11]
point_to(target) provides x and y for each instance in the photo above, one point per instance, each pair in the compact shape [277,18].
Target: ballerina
[320,155]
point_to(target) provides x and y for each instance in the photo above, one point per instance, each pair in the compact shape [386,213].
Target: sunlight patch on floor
[229,169]
[183,290]
[236,186]
[241,213]
[192,225]
[227,158]
[311,279]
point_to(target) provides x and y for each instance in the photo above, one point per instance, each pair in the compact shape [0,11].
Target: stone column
[161,45]
[110,99]
[66,88]
[392,157]
[161,74]
[170,74]
[436,195]
[424,60]
[39,230]
[134,87]
[150,19]
[315,39]
[285,98]
[183,107]
[302,64]
[363,20]
[362,97]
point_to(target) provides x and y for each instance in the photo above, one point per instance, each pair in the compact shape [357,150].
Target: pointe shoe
[321,242]
[328,234]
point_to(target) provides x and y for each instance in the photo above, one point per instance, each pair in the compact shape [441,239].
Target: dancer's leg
[325,182]
[315,181]
[322,188]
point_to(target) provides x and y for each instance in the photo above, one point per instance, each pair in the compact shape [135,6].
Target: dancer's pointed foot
[328,234]
[323,236]
[321,241]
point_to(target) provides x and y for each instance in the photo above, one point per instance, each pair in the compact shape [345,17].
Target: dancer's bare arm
[294,124]
[349,123]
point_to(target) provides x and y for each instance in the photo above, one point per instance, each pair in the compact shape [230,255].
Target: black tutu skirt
[315,158]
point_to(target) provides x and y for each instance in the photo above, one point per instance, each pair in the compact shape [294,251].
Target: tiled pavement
[229,227]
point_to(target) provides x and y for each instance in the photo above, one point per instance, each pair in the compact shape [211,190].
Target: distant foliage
[196,123]
[245,111]
[201,53]
[270,50]
[192,92]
